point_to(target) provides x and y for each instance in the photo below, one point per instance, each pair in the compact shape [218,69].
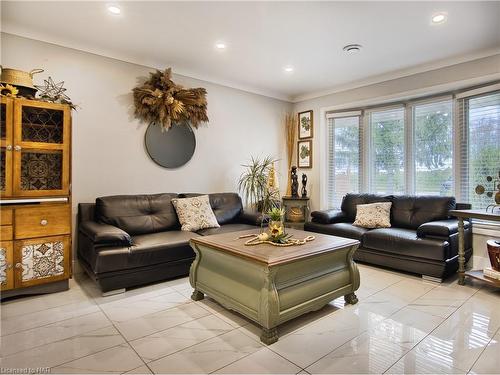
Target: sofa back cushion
[226,206]
[350,201]
[138,214]
[409,211]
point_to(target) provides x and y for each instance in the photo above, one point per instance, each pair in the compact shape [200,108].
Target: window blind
[479,130]
[387,151]
[433,148]
[344,158]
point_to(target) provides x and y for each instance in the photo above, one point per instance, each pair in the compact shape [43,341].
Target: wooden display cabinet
[35,193]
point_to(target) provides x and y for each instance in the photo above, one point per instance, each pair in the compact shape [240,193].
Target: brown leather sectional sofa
[423,238]
[129,240]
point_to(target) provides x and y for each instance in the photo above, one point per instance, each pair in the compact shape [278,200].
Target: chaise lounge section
[423,237]
[130,240]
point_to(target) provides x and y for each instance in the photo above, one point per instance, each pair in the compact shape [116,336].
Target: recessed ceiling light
[220,45]
[439,17]
[288,69]
[113,9]
[352,48]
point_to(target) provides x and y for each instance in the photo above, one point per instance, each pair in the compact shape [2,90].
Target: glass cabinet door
[6,147]
[41,149]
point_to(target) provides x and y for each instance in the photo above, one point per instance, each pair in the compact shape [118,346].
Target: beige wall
[108,143]
[416,85]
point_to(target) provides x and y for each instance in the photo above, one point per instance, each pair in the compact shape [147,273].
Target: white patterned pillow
[373,215]
[195,213]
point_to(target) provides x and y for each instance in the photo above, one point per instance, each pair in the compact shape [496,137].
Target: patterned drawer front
[42,221]
[6,232]
[6,264]
[42,260]
[3,266]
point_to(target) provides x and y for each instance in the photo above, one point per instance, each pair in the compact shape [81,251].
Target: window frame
[459,140]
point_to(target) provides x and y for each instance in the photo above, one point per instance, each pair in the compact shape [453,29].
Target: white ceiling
[263,37]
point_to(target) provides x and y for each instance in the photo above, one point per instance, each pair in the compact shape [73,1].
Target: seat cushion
[339,229]
[412,211]
[138,214]
[227,228]
[406,243]
[227,207]
[147,249]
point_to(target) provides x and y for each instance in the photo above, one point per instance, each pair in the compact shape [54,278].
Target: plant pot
[276,228]
[494,254]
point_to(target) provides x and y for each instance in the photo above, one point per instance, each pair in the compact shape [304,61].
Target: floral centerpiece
[276,228]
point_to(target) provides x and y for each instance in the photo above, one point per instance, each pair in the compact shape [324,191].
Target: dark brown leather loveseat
[129,240]
[423,237]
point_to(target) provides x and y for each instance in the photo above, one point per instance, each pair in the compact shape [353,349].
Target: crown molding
[398,74]
[142,61]
[15,30]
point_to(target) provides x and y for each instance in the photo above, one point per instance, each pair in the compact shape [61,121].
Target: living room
[250,187]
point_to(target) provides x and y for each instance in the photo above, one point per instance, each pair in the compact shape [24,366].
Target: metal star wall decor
[54,92]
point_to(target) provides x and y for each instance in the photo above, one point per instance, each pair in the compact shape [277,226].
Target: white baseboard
[479,263]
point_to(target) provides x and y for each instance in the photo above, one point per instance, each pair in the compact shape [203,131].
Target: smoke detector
[352,48]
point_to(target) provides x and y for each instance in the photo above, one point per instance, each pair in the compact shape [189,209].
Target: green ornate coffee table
[269,284]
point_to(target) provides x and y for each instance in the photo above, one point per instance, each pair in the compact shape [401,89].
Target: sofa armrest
[328,216]
[440,228]
[105,234]
[252,218]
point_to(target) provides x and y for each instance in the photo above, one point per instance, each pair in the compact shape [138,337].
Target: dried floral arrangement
[161,102]
[290,126]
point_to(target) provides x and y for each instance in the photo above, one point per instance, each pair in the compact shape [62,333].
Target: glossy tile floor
[401,325]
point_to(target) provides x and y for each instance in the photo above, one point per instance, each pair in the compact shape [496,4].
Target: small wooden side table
[471,214]
[296,211]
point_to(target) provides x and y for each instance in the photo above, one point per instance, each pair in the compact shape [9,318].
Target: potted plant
[252,184]
[276,221]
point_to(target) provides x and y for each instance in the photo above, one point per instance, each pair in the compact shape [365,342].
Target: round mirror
[172,148]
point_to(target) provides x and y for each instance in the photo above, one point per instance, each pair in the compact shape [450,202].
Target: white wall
[416,85]
[108,143]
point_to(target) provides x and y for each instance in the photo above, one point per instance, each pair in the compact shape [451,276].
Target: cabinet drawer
[6,216]
[6,232]
[42,221]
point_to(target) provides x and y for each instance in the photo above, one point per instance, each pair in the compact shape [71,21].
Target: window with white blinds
[480,156]
[443,146]
[433,148]
[344,155]
[387,151]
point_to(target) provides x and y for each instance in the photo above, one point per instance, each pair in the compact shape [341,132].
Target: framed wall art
[304,154]
[305,124]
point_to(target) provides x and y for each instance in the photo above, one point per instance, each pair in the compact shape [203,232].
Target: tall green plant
[252,182]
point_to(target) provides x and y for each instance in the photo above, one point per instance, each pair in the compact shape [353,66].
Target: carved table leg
[351,298]
[269,336]
[197,295]
[461,252]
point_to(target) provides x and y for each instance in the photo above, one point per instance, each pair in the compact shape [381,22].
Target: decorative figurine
[295,182]
[304,183]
